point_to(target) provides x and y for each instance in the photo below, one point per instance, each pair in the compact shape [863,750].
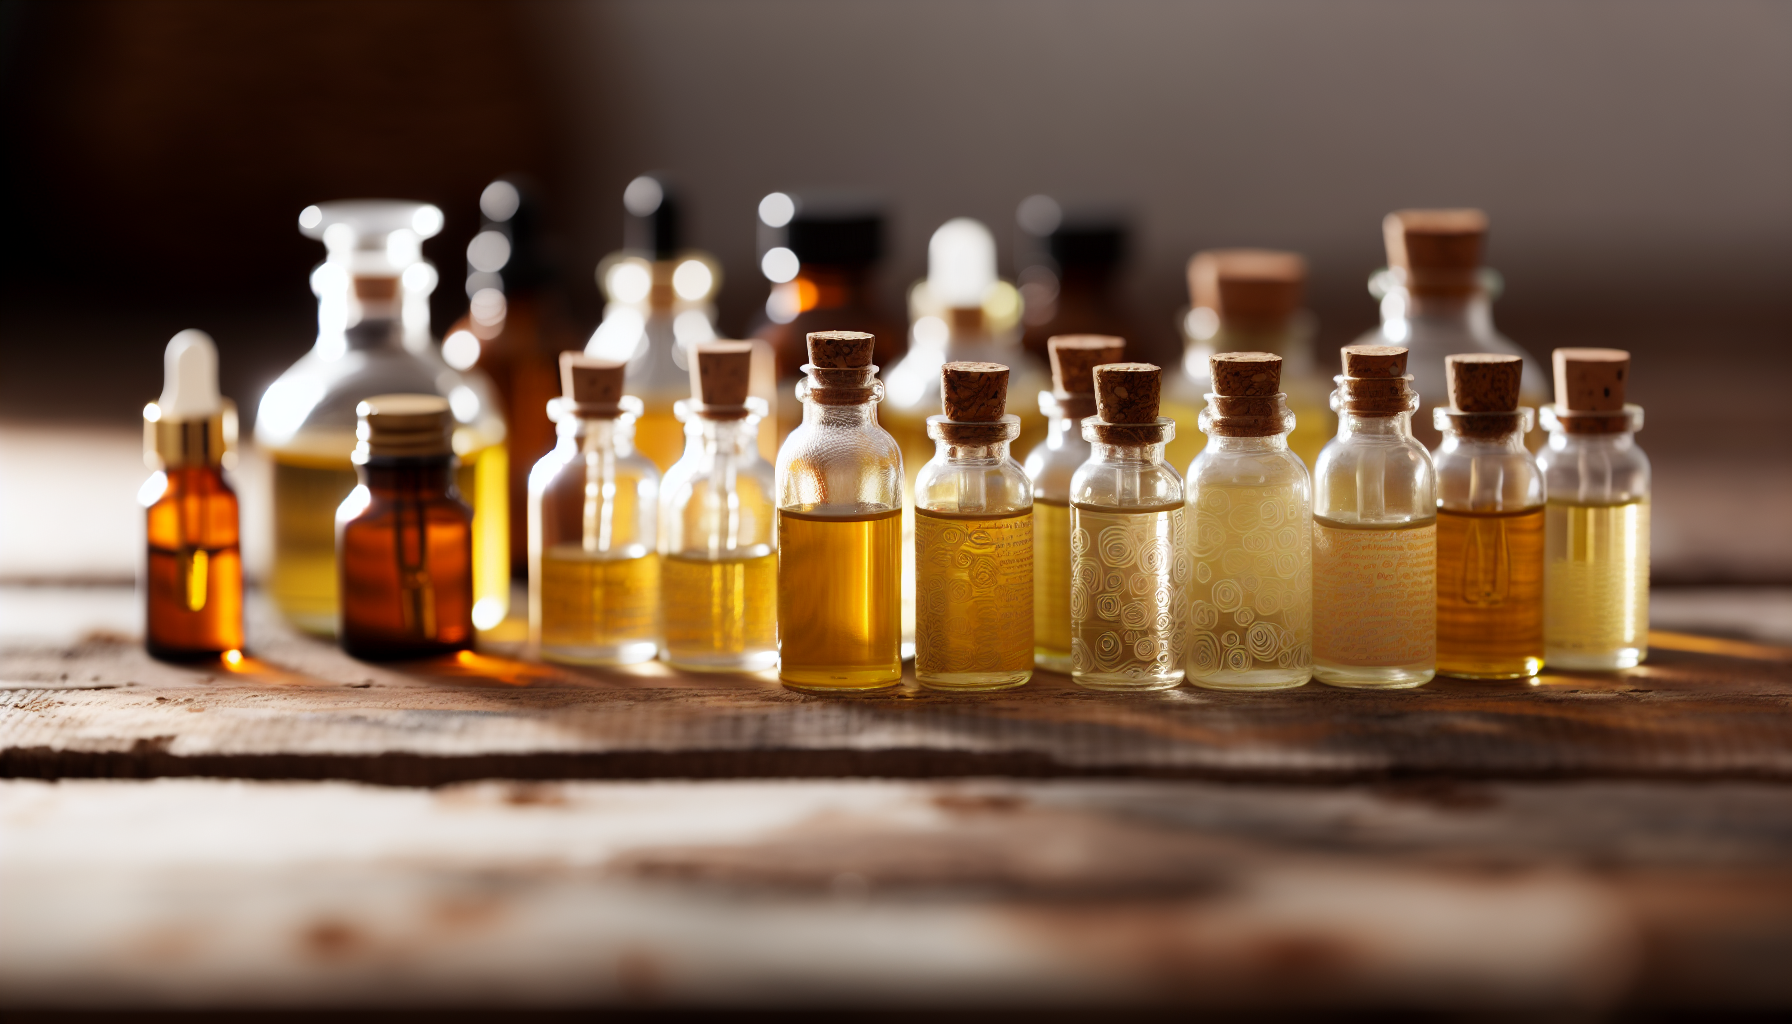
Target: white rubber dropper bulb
[961,263]
[190,378]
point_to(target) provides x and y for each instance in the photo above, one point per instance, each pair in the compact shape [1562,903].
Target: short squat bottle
[1050,467]
[973,541]
[1130,571]
[719,575]
[1374,533]
[1251,502]
[1596,525]
[404,537]
[1489,525]
[194,575]
[839,488]
[594,573]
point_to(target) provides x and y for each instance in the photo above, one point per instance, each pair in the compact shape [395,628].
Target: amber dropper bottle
[195,572]
[404,538]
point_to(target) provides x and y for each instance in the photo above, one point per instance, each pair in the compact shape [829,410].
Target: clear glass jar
[1251,503]
[1049,467]
[1489,546]
[1596,540]
[373,338]
[594,572]
[973,560]
[719,573]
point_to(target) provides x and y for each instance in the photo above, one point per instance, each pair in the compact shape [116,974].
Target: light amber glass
[195,571]
[1490,593]
[1596,584]
[839,611]
[405,555]
[1051,585]
[720,613]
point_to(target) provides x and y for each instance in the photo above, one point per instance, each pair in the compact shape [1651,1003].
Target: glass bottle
[1248,300]
[1130,570]
[1374,533]
[1049,467]
[1069,283]
[1489,526]
[1437,299]
[1596,525]
[373,338]
[973,541]
[594,574]
[193,579]
[404,538]
[1251,503]
[839,486]
[719,581]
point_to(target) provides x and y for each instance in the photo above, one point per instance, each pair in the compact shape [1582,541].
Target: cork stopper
[974,392]
[1246,374]
[840,349]
[1074,359]
[1374,361]
[1591,379]
[1253,289]
[376,288]
[720,374]
[400,426]
[1484,382]
[592,386]
[1440,250]
[1127,392]
[1375,379]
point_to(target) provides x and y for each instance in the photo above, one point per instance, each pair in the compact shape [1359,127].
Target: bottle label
[1375,595]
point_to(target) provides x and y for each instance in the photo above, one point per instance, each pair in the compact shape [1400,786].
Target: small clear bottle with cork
[404,537]
[1130,567]
[1251,503]
[193,578]
[1596,524]
[839,491]
[594,574]
[1374,533]
[1489,525]
[973,541]
[1050,466]
[719,574]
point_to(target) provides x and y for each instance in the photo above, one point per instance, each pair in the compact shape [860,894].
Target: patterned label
[1375,596]
[973,594]
[1129,592]
[1253,588]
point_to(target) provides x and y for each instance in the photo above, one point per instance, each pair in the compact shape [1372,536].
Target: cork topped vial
[1251,539]
[404,538]
[1374,533]
[1050,467]
[1130,568]
[973,541]
[839,493]
[193,575]
[718,571]
[1596,524]
[1489,526]
[594,572]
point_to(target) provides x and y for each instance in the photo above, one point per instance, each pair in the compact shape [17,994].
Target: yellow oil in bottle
[660,436]
[309,487]
[1490,593]
[718,613]
[974,583]
[839,600]
[1596,581]
[1252,606]
[1374,603]
[1129,596]
[597,608]
[1051,585]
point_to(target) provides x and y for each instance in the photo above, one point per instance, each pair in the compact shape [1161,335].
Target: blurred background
[1634,159]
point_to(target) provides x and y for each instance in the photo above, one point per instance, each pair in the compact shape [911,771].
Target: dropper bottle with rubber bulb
[193,578]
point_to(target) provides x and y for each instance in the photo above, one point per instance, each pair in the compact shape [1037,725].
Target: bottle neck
[599,433]
[1471,312]
[373,333]
[1247,445]
[971,454]
[417,478]
[840,396]
[1126,454]
[1390,425]
[722,438]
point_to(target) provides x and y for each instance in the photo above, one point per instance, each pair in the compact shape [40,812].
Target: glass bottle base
[1115,683]
[1595,661]
[1051,661]
[973,682]
[840,681]
[601,654]
[1373,677]
[1262,679]
[1522,668]
[759,662]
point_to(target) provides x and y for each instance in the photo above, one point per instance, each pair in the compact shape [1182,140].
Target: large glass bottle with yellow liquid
[373,338]
[719,573]
[839,488]
[594,567]
[1596,524]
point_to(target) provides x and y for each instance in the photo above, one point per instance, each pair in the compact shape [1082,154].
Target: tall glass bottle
[1252,536]
[1374,533]
[1130,569]
[1437,299]
[719,574]
[594,574]
[373,338]
[1248,300]
[193,578]
[1596,525]
[839,486]
[1050,467]
[1489,526]
[404,538]
[973,541]
[1070,273]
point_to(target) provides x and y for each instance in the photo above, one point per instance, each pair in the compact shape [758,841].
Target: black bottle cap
[511,207]
[835,230]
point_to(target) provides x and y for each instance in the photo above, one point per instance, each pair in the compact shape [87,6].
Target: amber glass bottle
[194,576]
[404,538]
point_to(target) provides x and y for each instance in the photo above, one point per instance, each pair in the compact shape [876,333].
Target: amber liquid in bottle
[1597,579]
[195,571]
[973,572]
[1051,583]
[1490,593]
[720,609]
[593,601]
[405,546]
[839,599]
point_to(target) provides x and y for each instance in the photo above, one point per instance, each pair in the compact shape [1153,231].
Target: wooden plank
[300,709]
